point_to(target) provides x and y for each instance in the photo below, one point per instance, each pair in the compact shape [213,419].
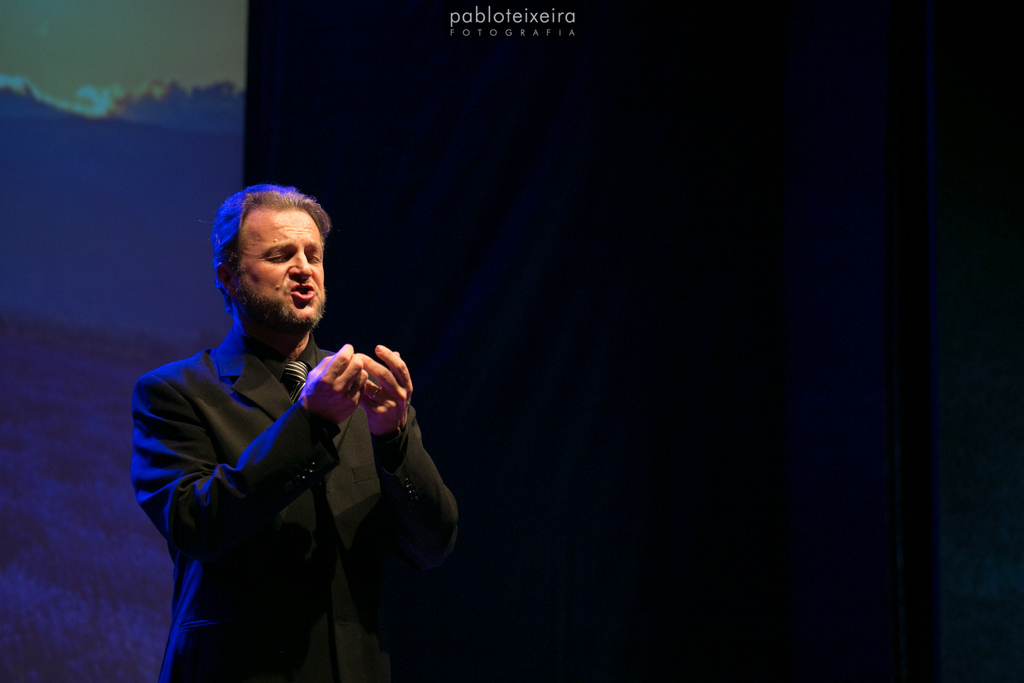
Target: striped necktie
[294,378]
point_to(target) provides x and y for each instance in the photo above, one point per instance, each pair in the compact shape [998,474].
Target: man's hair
[232,214]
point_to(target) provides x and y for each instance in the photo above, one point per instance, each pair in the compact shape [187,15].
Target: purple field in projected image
[84,578]
[106,224]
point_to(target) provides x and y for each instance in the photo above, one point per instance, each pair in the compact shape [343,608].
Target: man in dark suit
[278,510]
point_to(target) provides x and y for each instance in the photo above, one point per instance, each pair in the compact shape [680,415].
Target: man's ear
[228,279]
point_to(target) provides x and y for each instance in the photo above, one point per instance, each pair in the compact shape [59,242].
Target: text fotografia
[508,23]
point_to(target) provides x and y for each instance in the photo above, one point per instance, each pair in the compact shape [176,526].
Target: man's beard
[277,315]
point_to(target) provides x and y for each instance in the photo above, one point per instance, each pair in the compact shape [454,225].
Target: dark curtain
[598,255]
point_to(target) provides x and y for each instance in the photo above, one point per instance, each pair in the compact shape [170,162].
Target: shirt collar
[273,360]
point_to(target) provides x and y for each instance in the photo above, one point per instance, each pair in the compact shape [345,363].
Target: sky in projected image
[121,128]
[69,50]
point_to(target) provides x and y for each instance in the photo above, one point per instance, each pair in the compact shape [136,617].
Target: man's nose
[301,268]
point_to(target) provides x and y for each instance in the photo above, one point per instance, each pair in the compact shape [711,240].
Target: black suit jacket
[277,522]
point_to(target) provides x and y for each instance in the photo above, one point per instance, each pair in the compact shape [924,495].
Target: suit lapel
[250,377]
[262,388]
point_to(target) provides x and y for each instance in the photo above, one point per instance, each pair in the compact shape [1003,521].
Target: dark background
[645,278]
[712,312]
[980,238]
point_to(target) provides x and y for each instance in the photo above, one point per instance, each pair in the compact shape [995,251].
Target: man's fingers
[338,363]
[351,379]
[380,373]
[321,369]
[396,365]
[383,392]
[375,399]
[386,399]
[343,372]
[348,373]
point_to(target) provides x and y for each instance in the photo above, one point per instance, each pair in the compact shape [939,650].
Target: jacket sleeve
[426,515]
[206,502]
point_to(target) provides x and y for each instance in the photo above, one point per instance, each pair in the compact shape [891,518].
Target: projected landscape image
[117,149]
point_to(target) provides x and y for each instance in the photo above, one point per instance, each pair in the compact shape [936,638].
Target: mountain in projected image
[110,216]
[14,105]
[219,107]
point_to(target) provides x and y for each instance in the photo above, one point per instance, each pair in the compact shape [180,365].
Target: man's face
[280,279]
